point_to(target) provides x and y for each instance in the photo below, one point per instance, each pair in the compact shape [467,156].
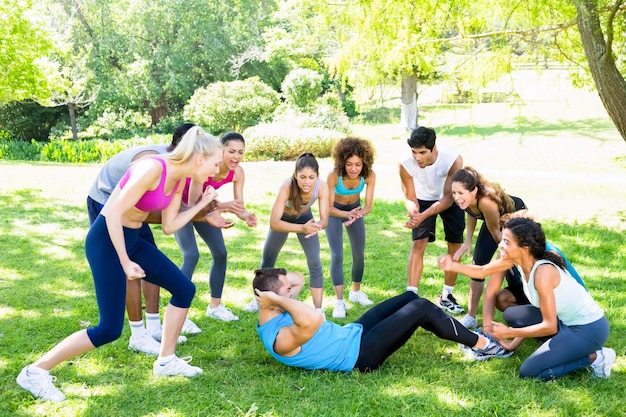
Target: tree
[598,46]
[23,45]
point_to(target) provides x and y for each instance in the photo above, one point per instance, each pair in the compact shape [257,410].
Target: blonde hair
[195,142]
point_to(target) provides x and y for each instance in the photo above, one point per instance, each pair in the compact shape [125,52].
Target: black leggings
[390,324]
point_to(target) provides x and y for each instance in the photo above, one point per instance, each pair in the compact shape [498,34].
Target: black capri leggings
[390,324]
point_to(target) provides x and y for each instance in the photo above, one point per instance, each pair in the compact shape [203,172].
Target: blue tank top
[342,190]
[332,347]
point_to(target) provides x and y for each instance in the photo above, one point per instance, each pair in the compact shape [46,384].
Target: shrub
[28,120]
[302,87]
[282,141]
[115,125]
[234,105]
[16,150]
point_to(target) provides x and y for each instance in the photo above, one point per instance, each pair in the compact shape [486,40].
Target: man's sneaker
[252,306]
[339,312]
[40,385]
[359,297]
[175,367]
[492,350]
[602,366]
[221,313]
[469,322]
[189,327]
[145,344]
[159,333]
[449,303]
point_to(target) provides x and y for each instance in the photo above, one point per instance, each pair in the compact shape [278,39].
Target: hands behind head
[266,299]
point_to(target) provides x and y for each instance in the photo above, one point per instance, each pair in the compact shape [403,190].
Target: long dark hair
[471,180]
[306,160]
[529,233]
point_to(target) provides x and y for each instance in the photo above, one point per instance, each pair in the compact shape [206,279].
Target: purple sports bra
[209,182]
[155,199]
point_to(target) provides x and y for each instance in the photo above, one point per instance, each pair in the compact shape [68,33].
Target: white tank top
[429,181]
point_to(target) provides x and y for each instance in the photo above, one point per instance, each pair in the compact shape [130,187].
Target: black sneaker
[492,350]
[449,304]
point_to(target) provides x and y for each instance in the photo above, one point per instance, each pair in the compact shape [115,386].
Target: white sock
[411,288]
[166,359]
[136,329]
[35,370]
[153,322]
[447,290]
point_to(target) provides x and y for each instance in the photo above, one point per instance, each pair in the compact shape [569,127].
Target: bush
[325,113]
[113,125]
[15,150]
[28,120]
[235,105]
[302,87]
[282,141]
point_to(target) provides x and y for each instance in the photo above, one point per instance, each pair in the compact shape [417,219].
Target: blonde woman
[115,251]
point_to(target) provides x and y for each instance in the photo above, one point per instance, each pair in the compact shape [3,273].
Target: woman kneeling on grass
[116,251]
[561,313]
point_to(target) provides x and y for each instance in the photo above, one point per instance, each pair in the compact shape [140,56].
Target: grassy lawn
[46,290]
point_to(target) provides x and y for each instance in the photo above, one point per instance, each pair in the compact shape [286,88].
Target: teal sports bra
[342,190]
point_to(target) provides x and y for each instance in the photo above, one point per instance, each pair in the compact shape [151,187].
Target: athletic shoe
[189,327]
[176,367]
[322,312]
[359,297]
[339,312]
[469,322]
[145,344]
[221,313]
[492,350]
[252,306]
[602,368]
[40,385]
[449,304]
[159,333]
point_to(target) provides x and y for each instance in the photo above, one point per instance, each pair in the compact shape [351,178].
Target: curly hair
[529,233]
[471,180]
[349,147]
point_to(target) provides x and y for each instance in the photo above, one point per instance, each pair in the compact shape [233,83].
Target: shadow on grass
[46,290]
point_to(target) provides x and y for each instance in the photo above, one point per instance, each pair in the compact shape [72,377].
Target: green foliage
[121,124]
[302,87]
[234,105]
[283,141]
[29,120]
[19,150]
[24,44]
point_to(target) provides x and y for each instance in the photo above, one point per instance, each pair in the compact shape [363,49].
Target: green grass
[46,293]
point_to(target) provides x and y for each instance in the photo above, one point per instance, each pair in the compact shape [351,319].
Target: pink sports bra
[209,182]
[156,199]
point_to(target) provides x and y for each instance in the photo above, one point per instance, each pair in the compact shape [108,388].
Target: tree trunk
[408,114]
[607,78]
[72,111]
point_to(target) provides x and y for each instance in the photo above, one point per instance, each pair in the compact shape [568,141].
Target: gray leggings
[356,234]
[214,239]
[311,246]
[562,353]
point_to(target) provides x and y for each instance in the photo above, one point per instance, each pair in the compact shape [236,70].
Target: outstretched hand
[465,249]
[445,262]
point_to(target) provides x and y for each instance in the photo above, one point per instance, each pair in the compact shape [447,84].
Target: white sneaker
[189,327]
[469,321]
[40,385]
[252,306]
[176,367]
[602,367]
[359,297]
[339,312]
[145,344]
[221,313]
[159,333]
